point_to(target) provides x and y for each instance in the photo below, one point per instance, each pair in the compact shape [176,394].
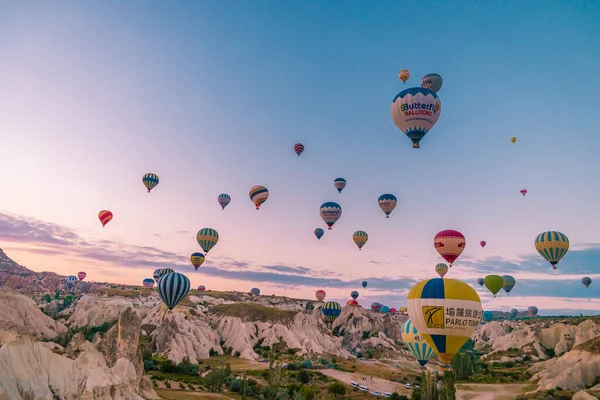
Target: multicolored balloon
[105,217]
[532,311]
[159,273]
[331,310]
[150,180]
[415,111]
[403,75]
[258,195]
[441,269]
[354,294]
[71,280]
[148,282]
[509,283]
[298,148]
[523,191]
[375,306]
[493,283]
[319,233]
[587,281]
[482,243]
[197,260]
[432,307]
[387,203]
[364,284]
[201,288]
[207,238]
[81,275]
[224,199]
[339,184]
[320,295]
[432,81]
[360,238]
[552,245]
[480,281]
[255,291]
[172,288]
[352,303]
[415,343]
[488,316]
[450,244]
[330,213]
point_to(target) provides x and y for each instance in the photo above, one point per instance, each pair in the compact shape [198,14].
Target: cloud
[284,268]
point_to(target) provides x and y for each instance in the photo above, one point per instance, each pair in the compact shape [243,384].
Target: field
[475,391]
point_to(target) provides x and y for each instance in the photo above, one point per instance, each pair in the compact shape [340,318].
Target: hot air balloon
[532,311]
[319,233]
[158,273]
[393,310]
[148,282]
[552,246]
[150,181]
[415,111]
[201,288]
[352,303]
[523,191]
[375,306]
[354,294]
[493,283]
[105,216]
[513,139]
[223,200]
[509,283]
[480,281]
[403,75]
[320,295]
[330,212]
[488,316]
[441,269]
[258,194]
[415,343]
[197,260]
[255,291]
[385,309]
[331,310]
[71,280]
[364,284]
[360,238]
[172,288]
[207,238]
[387,203]
[482,243]
[403,310]
[81,275]
[514,312]
[432,81]
[586,281]
[298,148]
[339,184]
[445,313]
[450,244]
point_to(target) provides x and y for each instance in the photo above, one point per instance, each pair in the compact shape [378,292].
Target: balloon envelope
[320,295]
[207,238]
[488,316]
[330,212]
[480,281]
[258,195]
[148,282]
[354,294]
[319,233]
[441,269]
[71,280]
[493,283]
[172,288]
[482,243]
[415,343]
[387,203]
[403,75]
[158,273]
[552,245]
[81,275]
[532,311]
[224,199]
[364,284]
[331,310]
[360,238]
[509,283]
[445,312]
[432,81]
[150,180]
[339,184]
[105,217]
[201,288]
[375,306]
[197,260]
[586,281]
[513,139]
[450,244]
[415,111]
[385,309]
[298,148]
[255,291]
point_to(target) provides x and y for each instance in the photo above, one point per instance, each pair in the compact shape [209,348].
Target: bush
[181,386]
[304,376]
[306,393]
[307,364]
[337,389]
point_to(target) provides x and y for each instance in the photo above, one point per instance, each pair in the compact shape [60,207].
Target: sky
[212,96]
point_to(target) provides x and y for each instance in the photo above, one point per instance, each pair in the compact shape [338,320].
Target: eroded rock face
[95,309]
[574,370]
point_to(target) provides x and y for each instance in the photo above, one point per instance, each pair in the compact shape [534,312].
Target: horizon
[96,95]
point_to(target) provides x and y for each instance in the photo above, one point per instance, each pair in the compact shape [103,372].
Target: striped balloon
[81,275]
[150,181]
[552,245]
[493,283]
[71,280]
[105,217]
[201,288]
[509,283]
[415,343]
[172,288]
[298,148]
[387,203]
[339,184]
[258,194]
[207,238]
[331,310]
[158,273]
[450,244]
[197,260]
[148,282]
[441,269]
[360,238]
[330,213]
[223,200]
[375,306]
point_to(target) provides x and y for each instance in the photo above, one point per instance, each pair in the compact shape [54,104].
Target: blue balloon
[319,233]
[172,288]
[364,284]
[255,291]
[488,316]
[354,294]
[385,309]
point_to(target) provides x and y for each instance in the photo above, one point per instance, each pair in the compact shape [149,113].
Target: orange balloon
[105,216]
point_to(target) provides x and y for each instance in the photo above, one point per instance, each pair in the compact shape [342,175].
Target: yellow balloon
[552,245]
[513,139]
[445,312]
[404,75]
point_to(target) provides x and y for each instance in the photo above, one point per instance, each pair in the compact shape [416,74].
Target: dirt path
[476,391]
[168,394]
[377,384]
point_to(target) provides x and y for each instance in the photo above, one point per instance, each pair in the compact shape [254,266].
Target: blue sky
[212,96]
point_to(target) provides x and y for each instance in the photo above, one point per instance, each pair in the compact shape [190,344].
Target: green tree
[464,365]
[306,393]
[448,391]
[47,298]
[304,376]
[337,389]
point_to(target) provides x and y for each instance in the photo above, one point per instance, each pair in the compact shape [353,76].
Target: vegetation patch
[592,346]
[255,312]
